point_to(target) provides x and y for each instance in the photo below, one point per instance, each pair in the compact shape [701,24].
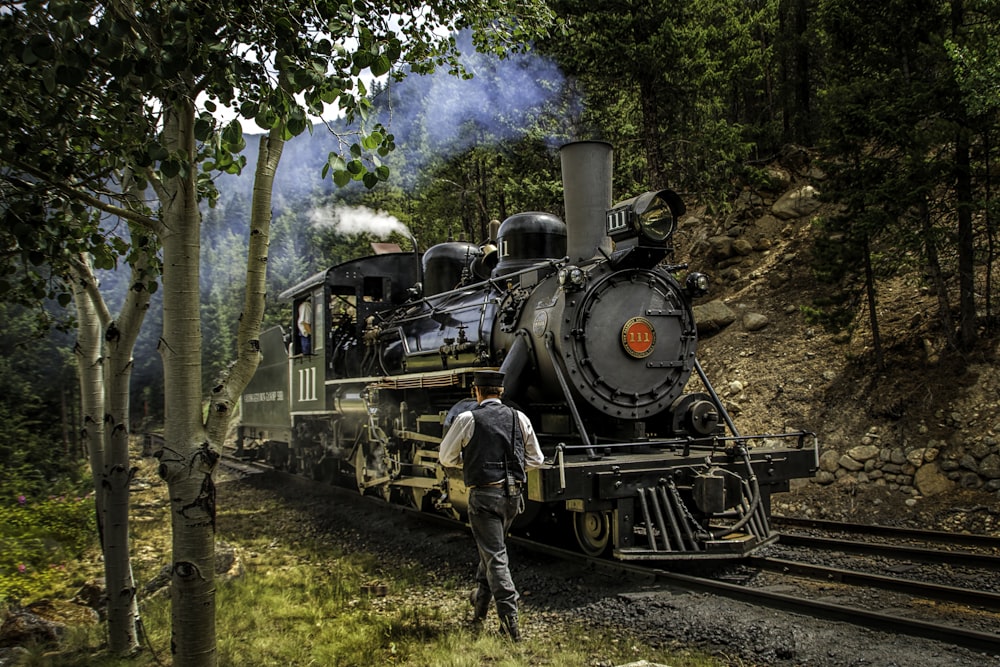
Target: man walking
[494,445]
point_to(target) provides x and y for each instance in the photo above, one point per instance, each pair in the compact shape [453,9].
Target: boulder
[848,463]
[713,316]
[755,321]
[863,452]
[796,203]
[43,622]
[742,247]
[829,461]
[777,179]
[721,246]
[989,467]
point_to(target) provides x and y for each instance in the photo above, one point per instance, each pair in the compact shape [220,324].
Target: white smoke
[350,220]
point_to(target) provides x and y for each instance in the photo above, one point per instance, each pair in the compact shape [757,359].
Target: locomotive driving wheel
[414,494]
[593,532]
[368,475]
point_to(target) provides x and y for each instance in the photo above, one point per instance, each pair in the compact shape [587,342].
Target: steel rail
[965,596]
[971,639]
[969,539]
[923,554]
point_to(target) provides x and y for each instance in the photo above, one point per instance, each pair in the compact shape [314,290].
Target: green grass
[304,602]
[286,613]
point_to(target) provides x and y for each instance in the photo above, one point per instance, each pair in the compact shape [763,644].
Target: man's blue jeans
[490,515]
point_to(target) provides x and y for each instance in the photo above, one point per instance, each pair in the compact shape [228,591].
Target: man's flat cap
[487,379]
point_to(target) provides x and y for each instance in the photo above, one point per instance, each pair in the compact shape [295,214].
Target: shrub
[38,537]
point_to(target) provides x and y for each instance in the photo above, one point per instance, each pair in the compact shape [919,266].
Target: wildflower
[21,500]
[22,568]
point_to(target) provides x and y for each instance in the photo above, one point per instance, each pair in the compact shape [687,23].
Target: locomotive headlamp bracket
[652,217]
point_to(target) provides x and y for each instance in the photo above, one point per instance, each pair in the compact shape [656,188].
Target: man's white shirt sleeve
[458,436]
[532,451]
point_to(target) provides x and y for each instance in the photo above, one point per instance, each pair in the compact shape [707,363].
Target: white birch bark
[91,378]
[227,393]
[187,460]
[119,342]
[194,446]
[105,350]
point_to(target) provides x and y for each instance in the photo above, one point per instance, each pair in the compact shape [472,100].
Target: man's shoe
[480,605]
[509,629]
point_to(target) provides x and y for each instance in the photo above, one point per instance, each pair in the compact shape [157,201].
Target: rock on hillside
[925,426]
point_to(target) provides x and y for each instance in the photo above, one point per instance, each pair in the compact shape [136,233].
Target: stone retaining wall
[921,470]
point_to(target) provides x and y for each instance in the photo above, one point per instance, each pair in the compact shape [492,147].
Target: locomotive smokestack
[587,167]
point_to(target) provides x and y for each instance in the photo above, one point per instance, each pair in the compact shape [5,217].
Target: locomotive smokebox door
[709,491]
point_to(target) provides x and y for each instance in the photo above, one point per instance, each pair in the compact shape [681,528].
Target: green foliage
[37,382]
[908,110]
[38,538]
[669,88]
[833,313]
[975,54]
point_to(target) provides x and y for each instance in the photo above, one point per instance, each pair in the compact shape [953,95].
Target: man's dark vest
[488,456]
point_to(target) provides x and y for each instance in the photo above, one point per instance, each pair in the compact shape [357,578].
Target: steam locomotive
[597,338]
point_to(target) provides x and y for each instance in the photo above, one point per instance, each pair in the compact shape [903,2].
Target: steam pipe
[660,523]
[416,258]
[514,364]
[674,526]
[644,506]
[715,398]
[751,475]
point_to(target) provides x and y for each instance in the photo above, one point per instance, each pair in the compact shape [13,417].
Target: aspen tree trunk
[88,353]
[119,342]
[227,393]
[193,445]
[187,460]
[105,350]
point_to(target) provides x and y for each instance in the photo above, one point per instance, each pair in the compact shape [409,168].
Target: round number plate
[638,337]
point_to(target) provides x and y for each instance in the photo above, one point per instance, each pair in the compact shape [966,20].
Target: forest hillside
[918,434]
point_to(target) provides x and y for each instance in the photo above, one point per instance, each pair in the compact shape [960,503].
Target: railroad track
[244,468]
[886,621]
[855,536]
[794,585]
[893,568]
[776,595]
[846,595]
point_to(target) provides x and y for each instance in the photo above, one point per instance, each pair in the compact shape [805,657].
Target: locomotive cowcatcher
[597,338]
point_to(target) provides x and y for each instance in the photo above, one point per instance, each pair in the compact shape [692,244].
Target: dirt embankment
[913,441]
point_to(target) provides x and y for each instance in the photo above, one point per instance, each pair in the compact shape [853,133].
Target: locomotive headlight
[651,216]
[654,218]
[572,278]
[696,284]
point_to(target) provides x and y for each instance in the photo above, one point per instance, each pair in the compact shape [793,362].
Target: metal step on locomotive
[597,338]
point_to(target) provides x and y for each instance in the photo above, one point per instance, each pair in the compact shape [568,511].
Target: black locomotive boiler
[598,341]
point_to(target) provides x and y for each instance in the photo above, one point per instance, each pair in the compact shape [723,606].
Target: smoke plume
[504,99]
[350,220]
